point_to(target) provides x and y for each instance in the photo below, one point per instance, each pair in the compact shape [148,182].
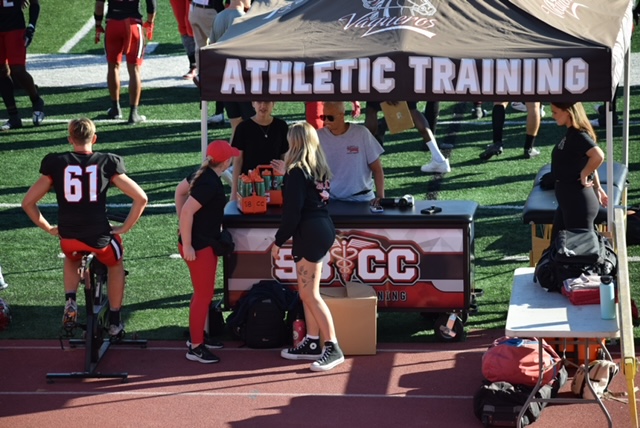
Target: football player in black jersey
[15,37]
[80,179]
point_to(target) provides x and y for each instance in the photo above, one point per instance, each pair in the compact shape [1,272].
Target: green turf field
[162,151]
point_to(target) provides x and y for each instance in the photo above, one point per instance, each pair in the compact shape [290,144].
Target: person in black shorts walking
[574,166]
[305,218]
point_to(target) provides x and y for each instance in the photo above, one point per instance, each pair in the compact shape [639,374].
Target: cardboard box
[398,116]
[354,309]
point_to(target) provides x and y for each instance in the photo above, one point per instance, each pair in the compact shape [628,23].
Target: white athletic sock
[313,337]
[436,154]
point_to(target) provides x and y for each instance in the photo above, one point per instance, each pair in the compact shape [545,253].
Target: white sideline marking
[88,26]
[151,46]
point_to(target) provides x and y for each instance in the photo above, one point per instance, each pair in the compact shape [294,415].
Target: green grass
[159,154]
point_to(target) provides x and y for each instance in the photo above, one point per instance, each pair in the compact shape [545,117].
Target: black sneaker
[38,112]
[114,113]
[308,349]
[331,357]
[116,331]
[478,113]
[14,122]
[202,355]
[531,153]
[491,151]
[134,118]
[210,343]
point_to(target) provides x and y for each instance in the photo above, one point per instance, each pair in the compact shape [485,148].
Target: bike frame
[94,277]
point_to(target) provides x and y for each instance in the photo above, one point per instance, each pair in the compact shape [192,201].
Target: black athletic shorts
[312,239]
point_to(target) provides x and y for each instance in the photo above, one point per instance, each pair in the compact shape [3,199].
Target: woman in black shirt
[262,140]
[200,201]
[305,219]
[574,166]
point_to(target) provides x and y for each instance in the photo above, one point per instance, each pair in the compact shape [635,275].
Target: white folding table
[534,312]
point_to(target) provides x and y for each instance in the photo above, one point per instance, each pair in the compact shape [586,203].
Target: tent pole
[626,102]
[609,159]
[204,113]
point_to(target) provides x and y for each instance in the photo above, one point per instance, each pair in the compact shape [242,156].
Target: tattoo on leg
[303,277]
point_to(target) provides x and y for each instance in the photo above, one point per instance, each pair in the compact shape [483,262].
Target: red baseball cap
[220,151]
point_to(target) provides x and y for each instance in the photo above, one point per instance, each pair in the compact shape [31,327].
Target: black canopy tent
[490,50]
[418,50]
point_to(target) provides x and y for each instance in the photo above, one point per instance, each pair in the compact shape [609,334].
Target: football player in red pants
[14,40]
[124,36]
[181,12]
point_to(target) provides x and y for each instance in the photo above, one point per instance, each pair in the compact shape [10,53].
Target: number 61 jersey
[81,181]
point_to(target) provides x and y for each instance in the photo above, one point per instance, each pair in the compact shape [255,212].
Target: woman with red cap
[200,201]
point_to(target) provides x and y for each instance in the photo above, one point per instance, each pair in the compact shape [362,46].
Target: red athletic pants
[203,277]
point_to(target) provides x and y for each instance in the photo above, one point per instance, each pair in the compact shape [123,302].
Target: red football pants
[203,278]
[181,12]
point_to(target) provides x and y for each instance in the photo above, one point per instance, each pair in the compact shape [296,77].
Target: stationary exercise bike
[93,275]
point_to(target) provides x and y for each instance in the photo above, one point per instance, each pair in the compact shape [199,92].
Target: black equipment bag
[498,404]
[572,253]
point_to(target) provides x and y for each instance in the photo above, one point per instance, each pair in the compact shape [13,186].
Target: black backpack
[499,403]
[265,326]
[572,253]
[260,317]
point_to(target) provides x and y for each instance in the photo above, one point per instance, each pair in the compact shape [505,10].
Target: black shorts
[237,110]
[376,105]
[313,239]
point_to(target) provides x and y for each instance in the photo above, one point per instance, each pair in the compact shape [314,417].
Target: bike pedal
[69,327]
[117,338]
[68,332]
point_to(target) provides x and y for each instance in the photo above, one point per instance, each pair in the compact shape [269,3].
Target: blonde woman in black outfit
[574,165]
[305,219]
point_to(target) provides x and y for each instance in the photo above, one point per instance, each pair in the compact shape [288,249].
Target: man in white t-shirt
[353,155]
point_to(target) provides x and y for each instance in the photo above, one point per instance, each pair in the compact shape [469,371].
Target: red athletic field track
[404,385]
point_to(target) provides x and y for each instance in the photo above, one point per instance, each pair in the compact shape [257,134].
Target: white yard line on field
[88,26]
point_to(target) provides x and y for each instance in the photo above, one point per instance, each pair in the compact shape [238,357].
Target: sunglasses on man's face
[327,117]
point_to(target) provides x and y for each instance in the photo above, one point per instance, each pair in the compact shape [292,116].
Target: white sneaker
[523,108]
[436,167]
[216,118]
[519,106]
